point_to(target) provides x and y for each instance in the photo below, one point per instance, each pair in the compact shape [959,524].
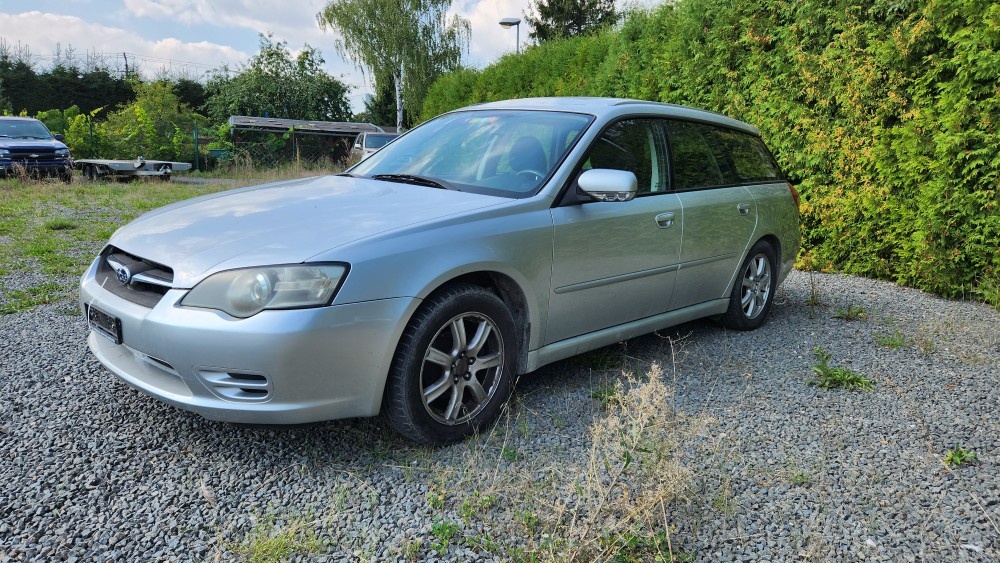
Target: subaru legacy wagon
[481,245]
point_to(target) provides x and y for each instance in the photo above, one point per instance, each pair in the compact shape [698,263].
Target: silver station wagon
[483,244]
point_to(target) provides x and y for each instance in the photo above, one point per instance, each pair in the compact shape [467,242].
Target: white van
[368,143]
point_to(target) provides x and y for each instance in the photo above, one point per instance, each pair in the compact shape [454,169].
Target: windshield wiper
[415,179]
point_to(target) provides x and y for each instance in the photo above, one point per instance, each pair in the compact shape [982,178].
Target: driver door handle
[665,220]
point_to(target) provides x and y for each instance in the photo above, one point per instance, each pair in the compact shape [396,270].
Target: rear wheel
[753,292]
[453,368]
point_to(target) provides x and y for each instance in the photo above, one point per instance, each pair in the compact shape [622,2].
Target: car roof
[16,118]
[614,107]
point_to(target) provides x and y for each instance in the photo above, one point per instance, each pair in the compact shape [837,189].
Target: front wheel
[753,292]
[453,368]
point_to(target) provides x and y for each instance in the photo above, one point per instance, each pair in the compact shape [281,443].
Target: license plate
[106,325]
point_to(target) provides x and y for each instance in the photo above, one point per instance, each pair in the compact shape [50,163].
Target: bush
[884,114]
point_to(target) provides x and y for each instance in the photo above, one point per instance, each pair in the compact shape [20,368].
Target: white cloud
[35,29]
[489,40]
[125,26]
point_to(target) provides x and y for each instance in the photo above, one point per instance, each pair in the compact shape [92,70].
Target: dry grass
[613,503]
[242,171]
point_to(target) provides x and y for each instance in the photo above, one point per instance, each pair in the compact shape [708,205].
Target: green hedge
[885,115]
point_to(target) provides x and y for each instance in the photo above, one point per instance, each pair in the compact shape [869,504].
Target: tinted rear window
[706,156]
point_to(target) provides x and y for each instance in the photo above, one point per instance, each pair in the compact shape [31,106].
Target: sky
[190,37]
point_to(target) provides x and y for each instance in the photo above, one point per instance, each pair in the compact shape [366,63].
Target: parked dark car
[28,148]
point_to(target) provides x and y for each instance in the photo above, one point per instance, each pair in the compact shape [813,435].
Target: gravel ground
[779,470]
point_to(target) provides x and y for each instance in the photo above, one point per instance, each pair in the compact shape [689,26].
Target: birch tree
[406,42]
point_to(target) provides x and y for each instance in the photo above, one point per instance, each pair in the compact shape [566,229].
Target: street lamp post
[506,23]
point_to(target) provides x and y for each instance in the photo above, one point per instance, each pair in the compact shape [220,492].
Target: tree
[190,92]
[277,85]
[554,19]
[407,43]
[380,107]
[156,125]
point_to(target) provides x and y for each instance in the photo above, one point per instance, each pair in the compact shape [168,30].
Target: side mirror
[604,184]
[59,137]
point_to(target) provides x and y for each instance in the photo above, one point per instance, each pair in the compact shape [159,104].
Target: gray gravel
[781,470]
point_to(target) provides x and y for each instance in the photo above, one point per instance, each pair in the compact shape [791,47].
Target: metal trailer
[94,169]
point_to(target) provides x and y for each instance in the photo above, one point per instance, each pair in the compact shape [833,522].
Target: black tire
[459,341]
[753,292]
[90,172]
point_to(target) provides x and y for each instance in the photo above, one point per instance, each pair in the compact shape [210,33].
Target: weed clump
[830,377]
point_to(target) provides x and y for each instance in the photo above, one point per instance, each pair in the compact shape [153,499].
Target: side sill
[590,341]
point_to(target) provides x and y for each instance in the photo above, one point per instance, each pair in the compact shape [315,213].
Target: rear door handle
[743,208]
[665,220]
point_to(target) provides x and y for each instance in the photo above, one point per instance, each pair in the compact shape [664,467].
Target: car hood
[29,144]
[284,223]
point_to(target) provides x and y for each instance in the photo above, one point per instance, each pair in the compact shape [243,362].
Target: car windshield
[24,129]
[508,153]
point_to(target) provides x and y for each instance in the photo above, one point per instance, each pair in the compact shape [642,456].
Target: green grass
[55,230]
[893,341]
[443,532]
[851,313]
[435,499]
[22,300]
[270,542]
[958,456]
[472,508]
[638,546]
[800,479]
[829,377]
[607,395]
[59,224]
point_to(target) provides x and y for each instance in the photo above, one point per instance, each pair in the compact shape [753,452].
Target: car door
[615,262]
[720,215]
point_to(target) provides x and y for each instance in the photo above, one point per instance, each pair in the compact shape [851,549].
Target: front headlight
[62,152]
[246,292]
[4,153]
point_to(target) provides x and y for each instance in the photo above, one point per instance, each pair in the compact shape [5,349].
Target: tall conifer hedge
[884,114]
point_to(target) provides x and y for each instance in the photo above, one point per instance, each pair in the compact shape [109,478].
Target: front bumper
[277,367]
[52,169]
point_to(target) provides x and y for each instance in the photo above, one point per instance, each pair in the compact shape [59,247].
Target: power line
[119,54]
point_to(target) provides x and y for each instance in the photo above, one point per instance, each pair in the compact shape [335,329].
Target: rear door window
[705,156]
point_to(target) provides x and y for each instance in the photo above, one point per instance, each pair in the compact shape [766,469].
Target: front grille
[145,282]
[33,155]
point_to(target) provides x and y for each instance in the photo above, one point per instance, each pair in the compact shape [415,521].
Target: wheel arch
[512,295]
[775,243]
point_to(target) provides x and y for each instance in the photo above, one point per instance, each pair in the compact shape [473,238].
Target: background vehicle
[483,244]
[369,142]
[94,169]
[27,147]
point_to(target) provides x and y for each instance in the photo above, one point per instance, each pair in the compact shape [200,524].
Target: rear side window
[705,156]
[749,160]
